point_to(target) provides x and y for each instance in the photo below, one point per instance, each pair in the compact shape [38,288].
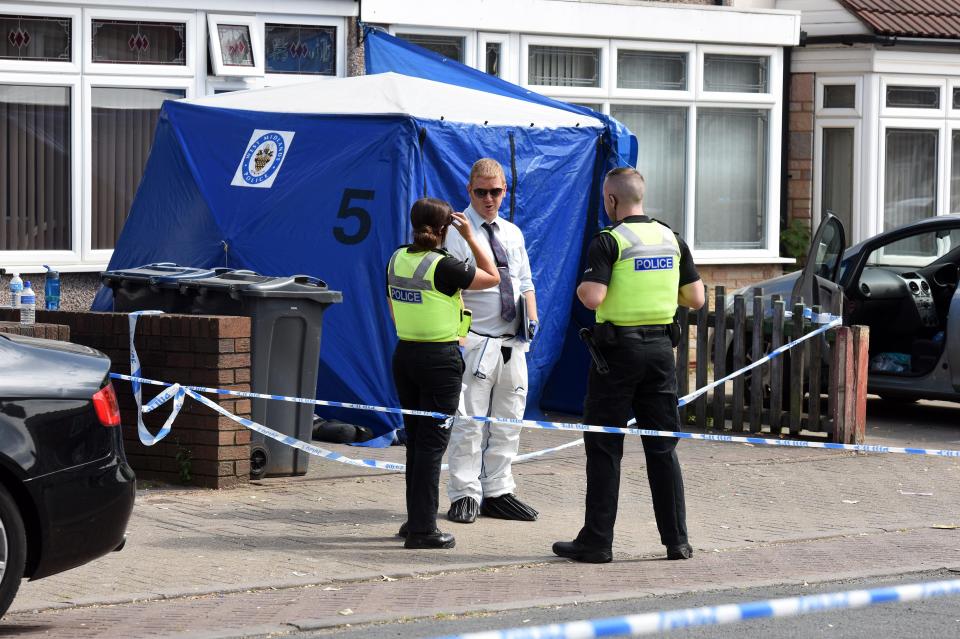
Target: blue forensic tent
[563,389]
[319,178]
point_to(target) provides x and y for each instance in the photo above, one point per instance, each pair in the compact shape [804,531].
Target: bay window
[707,121]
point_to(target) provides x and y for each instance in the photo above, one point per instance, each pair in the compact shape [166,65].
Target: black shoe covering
[507,507]
[464,510]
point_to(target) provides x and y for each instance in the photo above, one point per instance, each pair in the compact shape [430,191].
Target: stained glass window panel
[35,38]
[236,48]
[131,42]
[301,49]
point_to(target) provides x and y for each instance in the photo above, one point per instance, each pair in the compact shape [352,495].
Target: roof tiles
[909,18]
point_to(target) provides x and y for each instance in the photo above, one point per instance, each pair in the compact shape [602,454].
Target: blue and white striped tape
[178,392]
[658,622]
[546,425]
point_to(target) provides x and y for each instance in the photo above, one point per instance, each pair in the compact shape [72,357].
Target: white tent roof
[396,94]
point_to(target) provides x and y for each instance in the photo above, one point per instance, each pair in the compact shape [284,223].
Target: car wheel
[13,549]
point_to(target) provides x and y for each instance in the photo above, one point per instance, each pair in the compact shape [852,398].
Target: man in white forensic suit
[480,454]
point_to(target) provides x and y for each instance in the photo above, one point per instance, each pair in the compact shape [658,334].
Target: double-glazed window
[448,46]
[693,108]
[36,167]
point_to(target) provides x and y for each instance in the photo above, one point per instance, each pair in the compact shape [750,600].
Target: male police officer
[638,272]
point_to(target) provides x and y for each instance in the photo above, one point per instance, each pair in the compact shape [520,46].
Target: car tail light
[105,403]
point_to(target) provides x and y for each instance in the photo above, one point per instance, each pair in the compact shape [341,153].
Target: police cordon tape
[658,622]
[177,393]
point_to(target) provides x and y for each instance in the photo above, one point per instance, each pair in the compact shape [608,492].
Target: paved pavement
[319,550]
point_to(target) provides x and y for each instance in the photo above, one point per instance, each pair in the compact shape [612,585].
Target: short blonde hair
[488,168]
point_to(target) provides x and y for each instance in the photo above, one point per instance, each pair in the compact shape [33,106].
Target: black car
[902,284]
[66,490]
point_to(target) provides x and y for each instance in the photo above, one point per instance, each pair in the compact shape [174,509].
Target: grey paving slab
[337,522]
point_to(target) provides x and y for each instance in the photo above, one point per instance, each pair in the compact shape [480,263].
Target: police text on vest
[653,263]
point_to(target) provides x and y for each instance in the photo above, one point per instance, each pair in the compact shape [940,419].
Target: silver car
[902,284]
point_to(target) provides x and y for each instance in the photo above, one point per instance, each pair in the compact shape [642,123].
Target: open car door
[817,284]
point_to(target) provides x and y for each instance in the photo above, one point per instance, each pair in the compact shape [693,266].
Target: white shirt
[485,303]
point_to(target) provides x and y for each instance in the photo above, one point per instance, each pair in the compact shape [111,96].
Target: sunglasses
[482,193]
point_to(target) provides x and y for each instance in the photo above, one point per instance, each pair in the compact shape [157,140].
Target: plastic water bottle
[28,305]
[51,290]
[16,288]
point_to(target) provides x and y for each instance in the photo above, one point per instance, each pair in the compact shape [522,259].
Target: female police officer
[423,285]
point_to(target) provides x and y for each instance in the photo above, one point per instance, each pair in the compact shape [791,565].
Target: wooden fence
[815,390]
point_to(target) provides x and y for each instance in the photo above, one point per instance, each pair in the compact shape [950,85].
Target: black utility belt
[607,333]
[645,329]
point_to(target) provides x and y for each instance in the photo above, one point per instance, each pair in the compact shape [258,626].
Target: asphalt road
[938,617]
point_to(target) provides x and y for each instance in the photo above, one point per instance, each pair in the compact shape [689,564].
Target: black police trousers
[641,381]
[428,377]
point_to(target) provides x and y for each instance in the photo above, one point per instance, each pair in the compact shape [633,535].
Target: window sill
[32,269]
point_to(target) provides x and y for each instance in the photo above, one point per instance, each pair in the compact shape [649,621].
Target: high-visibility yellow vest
[646,276]
[420,311]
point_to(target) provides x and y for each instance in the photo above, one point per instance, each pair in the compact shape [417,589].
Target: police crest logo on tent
[263,158]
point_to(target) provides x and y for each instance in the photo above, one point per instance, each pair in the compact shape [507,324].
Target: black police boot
[435,539]
[464,510]
[403,530]
[578,552]
[680,551]
[507,507]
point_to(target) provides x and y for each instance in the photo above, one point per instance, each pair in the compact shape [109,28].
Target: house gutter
[882,40]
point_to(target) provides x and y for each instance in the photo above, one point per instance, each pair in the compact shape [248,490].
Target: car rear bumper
[83,512]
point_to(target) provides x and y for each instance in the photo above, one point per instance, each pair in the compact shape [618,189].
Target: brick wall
[203,448]
[735,276]
[45,331]
[800,159]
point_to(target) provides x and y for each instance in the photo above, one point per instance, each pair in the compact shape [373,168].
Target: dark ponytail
[429,217]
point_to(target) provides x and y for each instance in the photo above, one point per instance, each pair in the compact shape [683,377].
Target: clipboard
[522,335]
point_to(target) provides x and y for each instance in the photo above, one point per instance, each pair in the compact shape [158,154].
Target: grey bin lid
[301,287]
[160,274]
[250,284]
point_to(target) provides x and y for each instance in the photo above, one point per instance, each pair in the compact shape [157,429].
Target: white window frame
[654,47]
[951,86]
[89,254]
[932,124]
[568,93]
[469,38]
[76,39]
[101,68]
[774,75]
[508,45]
[912,81]
[275,79]
[952,126]
[853,234]
[255,25]
[825,81]
[35,259]
[771,238]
